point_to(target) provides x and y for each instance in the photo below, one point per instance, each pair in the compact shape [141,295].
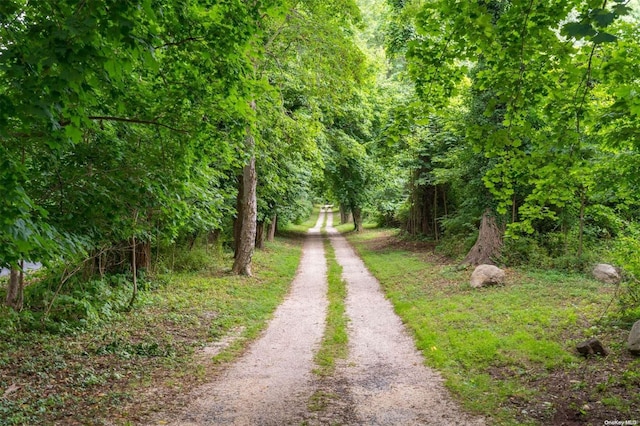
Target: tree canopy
[131,125]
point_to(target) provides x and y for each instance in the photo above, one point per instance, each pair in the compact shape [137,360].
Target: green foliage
[79,303]
[199,257]
[108,152]
[540,121]
[624,253]
[128,121]
[24,234]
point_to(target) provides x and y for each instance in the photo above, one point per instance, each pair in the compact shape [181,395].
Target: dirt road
[383,381]
[386,376]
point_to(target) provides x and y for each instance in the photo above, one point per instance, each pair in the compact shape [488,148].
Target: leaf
[603,37]
[11,389]
[148,9]
[73,133]
[604,18]
[578,29]
[621,10]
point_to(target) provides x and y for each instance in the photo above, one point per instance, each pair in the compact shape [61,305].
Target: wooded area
[132,128]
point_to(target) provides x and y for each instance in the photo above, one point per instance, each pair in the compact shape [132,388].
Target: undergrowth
[92,361]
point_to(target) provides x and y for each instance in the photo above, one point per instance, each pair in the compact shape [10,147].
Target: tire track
[388,381]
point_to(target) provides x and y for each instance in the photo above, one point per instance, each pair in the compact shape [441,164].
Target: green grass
[335,339]
[107,370]
[487,343]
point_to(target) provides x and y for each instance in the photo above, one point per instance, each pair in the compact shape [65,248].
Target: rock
[606,273]
[633,342]
[592,347]
[486,274]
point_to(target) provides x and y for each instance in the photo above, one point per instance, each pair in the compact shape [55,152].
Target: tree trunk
[272,228]
[435,212]
[143,255]
[237,223]
[346,215]
[444,202]
[246,243]
[581,229]
[193,238]
[357,219]
[489,243]
[134,271]
[214,241]
[260,235]
[102,264]
[213,237]
[15,291]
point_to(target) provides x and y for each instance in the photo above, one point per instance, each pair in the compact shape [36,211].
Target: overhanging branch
[180,42]
[136,121]
[127,120]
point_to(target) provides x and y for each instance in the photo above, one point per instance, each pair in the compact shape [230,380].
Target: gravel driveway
[383,381]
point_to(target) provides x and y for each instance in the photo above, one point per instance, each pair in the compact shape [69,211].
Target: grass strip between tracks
[335,340]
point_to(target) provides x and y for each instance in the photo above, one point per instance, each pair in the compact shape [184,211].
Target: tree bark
[489,242]
[237,223]
[214,242]
[435,213]
[246,243]
[143,255]
[134,271]
[15,291]
[581,228]
[213,236]
[260,235]
[272,228]
[357,219]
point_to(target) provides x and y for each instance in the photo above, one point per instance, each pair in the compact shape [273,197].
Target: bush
[625,253]
[574,263]
[456,246]
[602,221]
[178,258]
[78,302]
[525,251]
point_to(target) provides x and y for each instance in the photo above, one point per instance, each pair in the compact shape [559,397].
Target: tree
[538,88]
[99,153]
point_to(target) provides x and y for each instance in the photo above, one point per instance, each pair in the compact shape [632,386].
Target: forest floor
[382,381]
[197,349]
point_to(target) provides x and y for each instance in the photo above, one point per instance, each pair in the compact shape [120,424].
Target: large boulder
[606,273]
[486,275]
[633,342]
